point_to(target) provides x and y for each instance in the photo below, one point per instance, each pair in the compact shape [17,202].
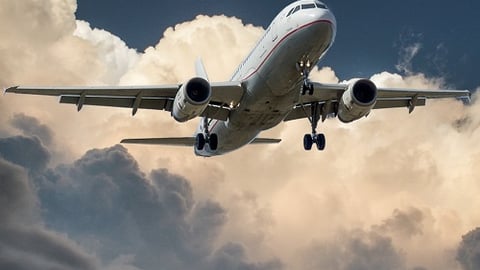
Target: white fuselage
[270,75]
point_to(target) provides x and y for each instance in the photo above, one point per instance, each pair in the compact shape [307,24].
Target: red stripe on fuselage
[280,42]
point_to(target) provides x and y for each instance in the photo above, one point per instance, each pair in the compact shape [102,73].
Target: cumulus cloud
[393,191]
[355,250]
[469,251]
[30,126]
[24,242]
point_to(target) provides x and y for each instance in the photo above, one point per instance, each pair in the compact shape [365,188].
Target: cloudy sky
[371,34]
[393,191]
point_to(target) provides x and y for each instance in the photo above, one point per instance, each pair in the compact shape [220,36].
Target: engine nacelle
[192,99]
[357,101]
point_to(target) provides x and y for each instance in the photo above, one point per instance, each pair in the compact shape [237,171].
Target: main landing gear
[314,138]
[206,138]
[304,68]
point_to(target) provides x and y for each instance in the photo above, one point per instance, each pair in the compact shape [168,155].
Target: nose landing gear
[304,68]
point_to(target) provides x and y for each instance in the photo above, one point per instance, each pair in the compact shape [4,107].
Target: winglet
[9,89]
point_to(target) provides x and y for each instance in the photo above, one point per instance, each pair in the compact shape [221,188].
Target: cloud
[25,151]
[393,190]
[111,51]
[469,251]
[24,242]
[355,250]
[408,223]
[106,204]
[104,201]
[409,44]
[30,126]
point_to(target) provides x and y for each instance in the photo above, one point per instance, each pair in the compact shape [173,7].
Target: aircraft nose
[325,14]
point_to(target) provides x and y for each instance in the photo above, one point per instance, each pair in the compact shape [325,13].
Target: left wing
[139,97]
[328,96]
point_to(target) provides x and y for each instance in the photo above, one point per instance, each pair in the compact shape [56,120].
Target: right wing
[139,97]
[329,95]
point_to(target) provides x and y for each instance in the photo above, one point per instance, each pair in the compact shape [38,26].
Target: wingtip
[9,89]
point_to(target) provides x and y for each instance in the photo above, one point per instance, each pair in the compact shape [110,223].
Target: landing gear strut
[206,138]
[304,68]
[314,138]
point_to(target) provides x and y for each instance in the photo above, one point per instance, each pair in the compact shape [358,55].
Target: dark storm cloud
[16,196]
[30,126]
[232,257]
[27,152]
[356,250]
[104,200]
[24,243]
[468,254]
[408,222]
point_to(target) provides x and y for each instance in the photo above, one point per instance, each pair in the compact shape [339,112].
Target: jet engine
[357,101]
[192,99]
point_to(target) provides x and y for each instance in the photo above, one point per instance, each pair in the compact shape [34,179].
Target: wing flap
[386,103]
[121,102]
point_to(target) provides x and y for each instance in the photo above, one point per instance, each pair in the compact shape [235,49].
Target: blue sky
[371,34]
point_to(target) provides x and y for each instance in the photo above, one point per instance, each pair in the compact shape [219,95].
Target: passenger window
[308,6]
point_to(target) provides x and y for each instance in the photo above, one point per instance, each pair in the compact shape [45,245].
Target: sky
[370,38]
[393,191]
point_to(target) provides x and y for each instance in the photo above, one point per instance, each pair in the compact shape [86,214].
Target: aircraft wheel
[213,142]
[307,142]
[321,142]
[200,142]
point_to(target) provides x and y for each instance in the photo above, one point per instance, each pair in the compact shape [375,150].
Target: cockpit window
[321,6]
[296,9]
[308,6]
[290,12]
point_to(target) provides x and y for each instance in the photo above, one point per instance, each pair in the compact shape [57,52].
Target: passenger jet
[269,87]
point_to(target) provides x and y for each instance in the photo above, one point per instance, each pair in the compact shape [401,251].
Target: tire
[200,142]
[213,142]
[307,142]
[321,142]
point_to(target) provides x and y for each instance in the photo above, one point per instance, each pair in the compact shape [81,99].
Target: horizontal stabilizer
[265,141]
[186,141]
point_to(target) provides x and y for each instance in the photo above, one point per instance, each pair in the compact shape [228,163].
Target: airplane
[269,87]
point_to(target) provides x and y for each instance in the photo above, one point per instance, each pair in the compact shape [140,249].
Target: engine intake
[191,99]
[357,101]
